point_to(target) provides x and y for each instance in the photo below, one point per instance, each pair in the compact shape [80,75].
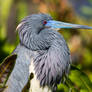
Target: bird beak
[57,25]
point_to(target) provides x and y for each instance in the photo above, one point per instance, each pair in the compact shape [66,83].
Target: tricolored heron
[41,53]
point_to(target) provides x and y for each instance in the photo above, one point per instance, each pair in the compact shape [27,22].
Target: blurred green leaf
[62,88]
[80,79]
[77,81]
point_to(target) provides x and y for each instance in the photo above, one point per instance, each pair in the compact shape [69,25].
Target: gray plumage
[47,47]
[20,73]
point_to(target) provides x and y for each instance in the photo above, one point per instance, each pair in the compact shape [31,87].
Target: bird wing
[20,74]
[6,68]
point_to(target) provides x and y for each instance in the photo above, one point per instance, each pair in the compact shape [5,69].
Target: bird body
[42,54]
[35,83]
[27,62]
[21,72]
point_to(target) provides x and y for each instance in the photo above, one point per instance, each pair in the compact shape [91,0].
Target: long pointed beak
[57,24]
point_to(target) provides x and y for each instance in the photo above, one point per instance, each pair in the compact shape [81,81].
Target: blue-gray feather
[53,57]
[51,61]
[20,73]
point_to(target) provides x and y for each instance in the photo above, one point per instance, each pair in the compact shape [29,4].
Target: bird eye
[45,22]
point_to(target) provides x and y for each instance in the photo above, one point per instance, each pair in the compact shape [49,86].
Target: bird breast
[35,83]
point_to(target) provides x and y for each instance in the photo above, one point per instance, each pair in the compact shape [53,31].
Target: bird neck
[39,41]
[36,41]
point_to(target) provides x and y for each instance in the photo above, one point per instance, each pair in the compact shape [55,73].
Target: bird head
[34,22]
[33,25]
[40,21]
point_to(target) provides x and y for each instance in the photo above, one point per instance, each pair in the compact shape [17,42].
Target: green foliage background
[79,41]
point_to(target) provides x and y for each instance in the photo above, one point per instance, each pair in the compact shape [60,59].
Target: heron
[42,56]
